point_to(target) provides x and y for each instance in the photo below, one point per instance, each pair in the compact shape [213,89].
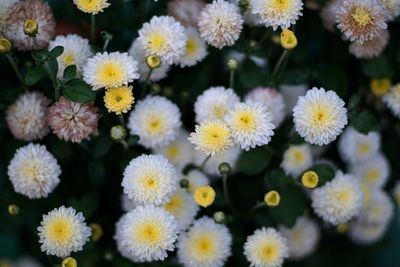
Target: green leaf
[276,178]
[52,68]
[380,67]
[254,161]
[40,56]
[364,122]
[34,75]
[69,72]
[56,51]
[77,90]
[325,173]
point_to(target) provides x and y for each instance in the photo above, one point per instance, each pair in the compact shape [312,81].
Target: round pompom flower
[373,172]
[371,48]
[156,120]
[206,244]
[220,23]
[5,10]
[119,99]
[72,121]
[110,70]
[378,209]
[196,48]
[392,100]
[163,37]
[339,200]
[186,11]
[91,6]
[183,207]
[63,231]
[277,13]
[147,233]
[328,14]
[319,116]
[366,233]
[34,10]
[392,7]
[33,171]
[250,124]
[297,159]
[150,179]
[26,118]
[266,248]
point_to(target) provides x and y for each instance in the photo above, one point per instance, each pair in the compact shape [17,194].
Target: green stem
[125,144]
[92,28]
[16,70]
[204,162]
[121,119]
[226,193]
[279,64]
[256,207]
[146,84]
[232,79]
[55,82]
[105,45]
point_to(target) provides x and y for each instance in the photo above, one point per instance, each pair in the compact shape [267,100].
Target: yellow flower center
[361,16]
[298,156]
[110,73]
[68,59]
[191,46]
[269,253]
[219,112]
[92,6]
[364,148]
[372,175]
[204,245]
[149,233]
[245,121]
[31,171]
[157,41]
[215,135]
[155,125]
[280,5]
[119,100]
[204,196]
[343,196]
[174,206]
[149,182]
[172,151]
[59,230]
[322,116]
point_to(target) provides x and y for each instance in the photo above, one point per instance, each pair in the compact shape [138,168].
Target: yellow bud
[204,196]
[288,39]
[97,231]
[310,179]
[153,62]
[13,209]
[342,228]
[272,198]
[379,87]
[31,27]
[69,262]
[5,46]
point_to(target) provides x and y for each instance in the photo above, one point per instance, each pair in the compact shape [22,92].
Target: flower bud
[220,217]
[184,183]
[288,39]
[69,262]
[31,27]
[232,64]
[204,196]
[118,133]
[310,179]
[272,198]
[13,209]
[224,168]
[153,62]
[5,46]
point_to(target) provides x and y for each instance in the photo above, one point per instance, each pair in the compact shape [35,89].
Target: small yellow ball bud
[13,209]
[153,62]
[97,231]
[379,87]
[69,262]
[204,196]
[5,46]
[288,39]
[310,179]
[232,64]
[272,198]
[31,27]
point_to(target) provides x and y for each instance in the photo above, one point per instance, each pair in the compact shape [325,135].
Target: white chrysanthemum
[185,11]
[392,7]
[328,14]
[220,23]
[250,124]
[266,248]
[291,94]
[272,100]
[302,238]
[339,200]
[183,207]
[392,100]
[147,233]
[278,13]
[396,192]
[371,48]
[179,152]
[76,51]
[5,8]
[230,156]
[373,172]
[119,238]
[110,70]
[355,147]
[138,54]
[63,231]
[163,37]
[364,233]
[26,118]
[319,116]
[150,179]
[297,159]
[196,179]
[206,244]
[378,209]
[156,120]
[196,48]
[33,171]
[214,103]
[361,20]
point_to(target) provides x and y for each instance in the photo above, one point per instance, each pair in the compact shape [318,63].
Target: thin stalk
[105,45]
[256,207]
[121,119]
[279,64]
[232,79]
[92,28]
[226,193]
[16,70]
[125,144]
[204,162]
[56,84]
[146,84]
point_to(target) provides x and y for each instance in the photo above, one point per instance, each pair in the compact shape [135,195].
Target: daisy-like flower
[212,137]
[76,51]
[196,48]
[63,231]
[156,120]
[110,70]
[196,179]
[272,100]
[371,48]
[91,6]
[392,7]
[150,179]
[355,147]
[291,94]
[120,238]
[250,124]
[147,233]
[26,118]
[5,8]
[328,14]
[266,248]
[214,103]
[183,207]
[302,238]
[36,11]
[163,37]
[186,11]
[319,116]
[373,172]
[277,13]
[220,23]
[378,209]
[297,159]
[139,54]
[72,121]
[206,244]
[361,20]
[365,233]
[392,100]
[33,171]
[119,99]
[339,200]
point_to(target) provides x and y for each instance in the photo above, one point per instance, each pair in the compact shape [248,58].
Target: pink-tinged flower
[186,11]
[72,121]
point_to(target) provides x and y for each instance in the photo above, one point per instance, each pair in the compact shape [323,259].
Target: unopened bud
[31,27]
[224,168]
[153,62]
[272,198]
[118,133]
[310,179]
[288,39]
[232,64]
[155,88]
[220,217]
[69,262]
[5,46]
[184,183]
[13,209]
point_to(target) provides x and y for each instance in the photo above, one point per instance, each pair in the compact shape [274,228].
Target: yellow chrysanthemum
[379,87]
[91,6]
[119,99]
[310,179]
[204,196]
[288,39]
[272,198]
